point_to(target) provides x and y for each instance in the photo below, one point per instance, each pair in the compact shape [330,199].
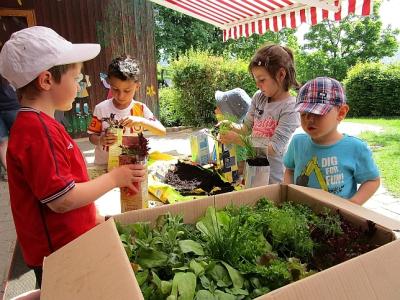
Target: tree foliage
[245,48]
[373,90]
[331,48]
[176,33]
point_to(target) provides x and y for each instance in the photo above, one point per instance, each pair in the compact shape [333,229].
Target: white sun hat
[33,50]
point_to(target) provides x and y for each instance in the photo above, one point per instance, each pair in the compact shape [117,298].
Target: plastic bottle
[82,120]
[88,115]
[70,127]
[76,120]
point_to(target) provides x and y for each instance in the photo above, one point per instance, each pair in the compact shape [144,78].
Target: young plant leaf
[191,246]
[205,282]
[224,296]
[196,267]
[166,287]
[142,276]
[184,286]
[236,277]
[205,295]
[156,280]
[148,258]
[220,276]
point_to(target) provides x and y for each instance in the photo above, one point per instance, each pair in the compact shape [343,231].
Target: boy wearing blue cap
[324,158]
[233,103]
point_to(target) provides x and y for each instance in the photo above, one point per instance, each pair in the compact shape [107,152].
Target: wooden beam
[29,14]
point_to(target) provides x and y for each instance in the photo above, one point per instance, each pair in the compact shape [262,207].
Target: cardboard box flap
[373,275]
[94,266]
[354,209]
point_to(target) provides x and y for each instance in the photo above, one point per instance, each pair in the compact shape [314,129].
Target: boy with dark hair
[50,192]
[124,79]
[324,158]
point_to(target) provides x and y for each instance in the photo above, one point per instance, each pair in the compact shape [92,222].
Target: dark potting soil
[186,178]
[258,162]
[335,249]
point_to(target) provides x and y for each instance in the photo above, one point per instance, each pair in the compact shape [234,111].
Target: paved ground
[7,235]
[175,143]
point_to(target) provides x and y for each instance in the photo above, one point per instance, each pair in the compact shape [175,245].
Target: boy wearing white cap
[233,103]
[50,192]
[324,158]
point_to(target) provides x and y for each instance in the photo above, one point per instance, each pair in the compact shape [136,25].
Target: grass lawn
[386,150]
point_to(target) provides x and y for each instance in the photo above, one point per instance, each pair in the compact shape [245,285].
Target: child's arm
[87,192]
[95,131]
[365,191]
[288,121]
[366,173]
[147,122]
[104,140]
[152,125]
[233,136]
[288,176]
[99,218]
[289,162]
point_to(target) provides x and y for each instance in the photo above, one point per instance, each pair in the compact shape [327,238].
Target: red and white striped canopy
[238,18]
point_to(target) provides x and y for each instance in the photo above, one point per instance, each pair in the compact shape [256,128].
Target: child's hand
[99,218]
[126,176]
[133,121]
[229,137]
[225,124]
[108,139]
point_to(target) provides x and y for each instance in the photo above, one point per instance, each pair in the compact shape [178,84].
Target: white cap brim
[219,95]
[79,53]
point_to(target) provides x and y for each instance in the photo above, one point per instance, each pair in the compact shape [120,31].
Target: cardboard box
[115,150]
[134,201]
[95,265]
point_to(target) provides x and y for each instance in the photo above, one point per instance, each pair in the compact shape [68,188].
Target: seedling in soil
[139,147]
[250,153]
[112,121]
[225,126]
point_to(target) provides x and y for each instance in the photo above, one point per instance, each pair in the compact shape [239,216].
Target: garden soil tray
[95,266]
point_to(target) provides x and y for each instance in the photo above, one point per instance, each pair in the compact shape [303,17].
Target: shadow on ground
[22,279]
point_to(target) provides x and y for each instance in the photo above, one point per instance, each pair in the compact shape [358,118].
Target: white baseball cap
[33,50]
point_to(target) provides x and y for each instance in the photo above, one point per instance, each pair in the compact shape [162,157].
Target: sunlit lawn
[386,150]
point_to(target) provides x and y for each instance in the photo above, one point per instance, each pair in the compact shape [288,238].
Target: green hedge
[196,76]
[373,90]
[169,109]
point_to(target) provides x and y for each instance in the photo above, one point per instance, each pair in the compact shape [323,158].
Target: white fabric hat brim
[219,95]
[79,53]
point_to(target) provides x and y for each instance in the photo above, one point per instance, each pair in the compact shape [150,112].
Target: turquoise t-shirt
[336,168]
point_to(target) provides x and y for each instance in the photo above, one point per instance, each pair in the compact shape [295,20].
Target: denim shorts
[7,118]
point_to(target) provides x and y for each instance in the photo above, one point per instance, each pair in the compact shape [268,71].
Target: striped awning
[238,18]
